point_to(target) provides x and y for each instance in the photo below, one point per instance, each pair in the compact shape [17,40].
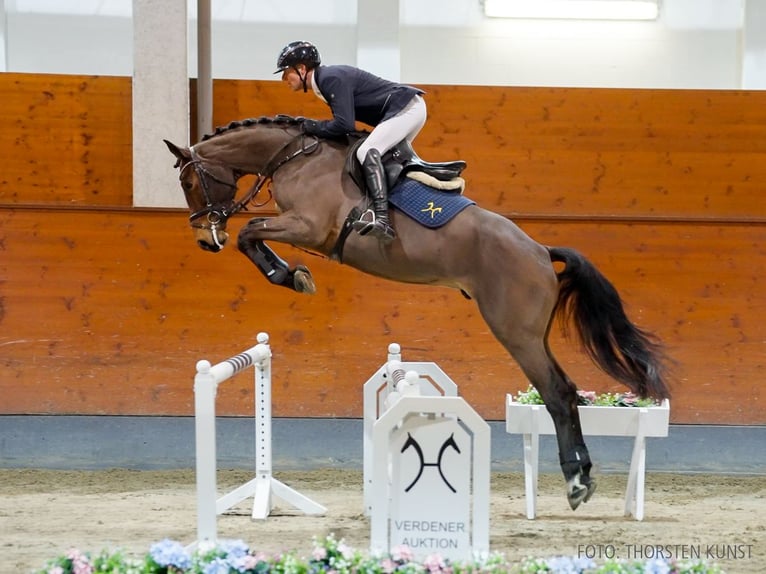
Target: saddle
[401,160]
[410,181]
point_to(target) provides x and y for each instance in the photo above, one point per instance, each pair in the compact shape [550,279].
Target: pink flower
[319,553]
[345,550]
[80,562]
[629,398]
[589,396]
[388,565]
[434,563]
[402,553]
[74,554]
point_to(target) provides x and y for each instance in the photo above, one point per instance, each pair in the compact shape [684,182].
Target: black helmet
[298,53]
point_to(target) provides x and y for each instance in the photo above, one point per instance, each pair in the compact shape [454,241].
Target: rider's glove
[310,127]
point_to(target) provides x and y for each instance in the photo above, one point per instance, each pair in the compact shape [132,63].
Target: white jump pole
[264,484]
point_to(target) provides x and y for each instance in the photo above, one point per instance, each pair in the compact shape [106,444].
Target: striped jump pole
[261,487]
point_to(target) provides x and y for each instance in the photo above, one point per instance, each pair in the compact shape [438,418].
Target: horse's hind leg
[560,397]
[519,312]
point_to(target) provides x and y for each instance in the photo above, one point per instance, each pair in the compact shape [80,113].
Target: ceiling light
[573,9]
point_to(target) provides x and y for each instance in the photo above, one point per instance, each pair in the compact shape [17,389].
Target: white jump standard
[264,484]
[427,465]
[432,381]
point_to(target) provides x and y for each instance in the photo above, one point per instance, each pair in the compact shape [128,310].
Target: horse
[517,283]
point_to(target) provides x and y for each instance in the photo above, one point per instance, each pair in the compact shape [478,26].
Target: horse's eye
[187,185]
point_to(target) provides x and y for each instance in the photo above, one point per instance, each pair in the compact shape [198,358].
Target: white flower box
[639,422]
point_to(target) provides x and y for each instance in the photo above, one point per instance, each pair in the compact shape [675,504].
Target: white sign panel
[431,461]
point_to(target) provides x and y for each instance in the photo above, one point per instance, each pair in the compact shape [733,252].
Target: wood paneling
[579,152]
[65,140]
[105,309]
[109,312]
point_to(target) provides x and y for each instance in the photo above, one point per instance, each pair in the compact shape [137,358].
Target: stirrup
[369,224]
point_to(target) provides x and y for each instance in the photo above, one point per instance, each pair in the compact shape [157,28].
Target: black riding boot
[375,222]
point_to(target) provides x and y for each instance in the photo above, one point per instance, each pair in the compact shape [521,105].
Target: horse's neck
[247,150]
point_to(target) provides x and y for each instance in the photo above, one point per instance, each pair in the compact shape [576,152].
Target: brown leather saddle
[399,161]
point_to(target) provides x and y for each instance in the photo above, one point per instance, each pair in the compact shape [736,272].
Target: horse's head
[209,188]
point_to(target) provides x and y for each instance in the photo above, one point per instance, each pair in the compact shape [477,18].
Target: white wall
[67,44]
[694,44]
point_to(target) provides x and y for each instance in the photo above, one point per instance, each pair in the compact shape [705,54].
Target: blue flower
[566,565]
[233,548]
[170,553]
[218,566]
[656,566]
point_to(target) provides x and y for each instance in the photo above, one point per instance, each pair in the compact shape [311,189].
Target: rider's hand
[310,127]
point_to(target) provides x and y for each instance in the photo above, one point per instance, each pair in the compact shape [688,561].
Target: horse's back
[477,251]
[494,246]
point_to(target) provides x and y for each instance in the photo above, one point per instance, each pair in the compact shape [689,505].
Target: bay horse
[486,256]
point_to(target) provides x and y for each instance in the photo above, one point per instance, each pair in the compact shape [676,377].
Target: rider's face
[293,79]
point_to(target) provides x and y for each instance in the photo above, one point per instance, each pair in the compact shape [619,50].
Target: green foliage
[589,398]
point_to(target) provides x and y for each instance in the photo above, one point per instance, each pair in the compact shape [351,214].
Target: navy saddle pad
[427,205]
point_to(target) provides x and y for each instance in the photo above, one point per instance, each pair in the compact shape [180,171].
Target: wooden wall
[105,309]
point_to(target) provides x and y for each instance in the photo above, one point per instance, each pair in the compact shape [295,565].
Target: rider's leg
[405,125]
[378,226]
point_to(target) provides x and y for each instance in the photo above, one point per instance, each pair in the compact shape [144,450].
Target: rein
[218,214]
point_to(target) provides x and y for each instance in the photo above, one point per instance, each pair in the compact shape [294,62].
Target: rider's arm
[340,96]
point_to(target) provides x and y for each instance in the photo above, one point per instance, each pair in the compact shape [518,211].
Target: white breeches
[404,125]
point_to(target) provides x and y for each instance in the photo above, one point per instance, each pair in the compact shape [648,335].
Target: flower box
[596,421]
[532,420]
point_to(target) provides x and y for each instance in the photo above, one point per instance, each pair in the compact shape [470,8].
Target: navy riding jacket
[357,95]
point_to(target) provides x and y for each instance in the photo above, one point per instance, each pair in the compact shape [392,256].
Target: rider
[395,112]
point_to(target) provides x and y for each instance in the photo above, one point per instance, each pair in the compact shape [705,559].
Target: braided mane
[280,119]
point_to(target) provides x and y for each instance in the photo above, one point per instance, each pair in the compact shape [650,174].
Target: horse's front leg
[273,267]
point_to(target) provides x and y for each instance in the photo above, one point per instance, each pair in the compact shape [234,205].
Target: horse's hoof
[579,493]
[576,496]
[303,282]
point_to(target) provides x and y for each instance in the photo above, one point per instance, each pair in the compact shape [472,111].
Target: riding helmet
[298,53]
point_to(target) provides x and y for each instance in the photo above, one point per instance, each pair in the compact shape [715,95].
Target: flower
[402,553]
[169,553]
[589,398]
[331,556]
[567,565]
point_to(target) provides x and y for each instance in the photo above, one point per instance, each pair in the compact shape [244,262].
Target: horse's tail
[622,350]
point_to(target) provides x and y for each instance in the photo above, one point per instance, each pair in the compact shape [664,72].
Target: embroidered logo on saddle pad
[426,205]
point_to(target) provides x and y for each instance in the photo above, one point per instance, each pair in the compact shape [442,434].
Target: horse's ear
[182,154]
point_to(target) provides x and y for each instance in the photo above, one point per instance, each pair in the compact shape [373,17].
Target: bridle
[217,214]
